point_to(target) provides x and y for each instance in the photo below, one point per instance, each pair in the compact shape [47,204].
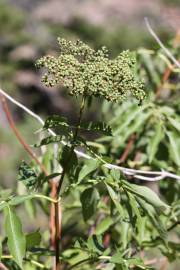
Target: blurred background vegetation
[29,29]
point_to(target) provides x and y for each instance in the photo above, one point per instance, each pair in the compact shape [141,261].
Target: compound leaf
[98,126]
[55,121]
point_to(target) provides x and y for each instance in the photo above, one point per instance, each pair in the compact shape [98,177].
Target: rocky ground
[102,12]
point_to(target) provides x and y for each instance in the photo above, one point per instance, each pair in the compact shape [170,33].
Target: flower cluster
[85,71]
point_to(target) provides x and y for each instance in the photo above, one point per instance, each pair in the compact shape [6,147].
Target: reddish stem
[128,148]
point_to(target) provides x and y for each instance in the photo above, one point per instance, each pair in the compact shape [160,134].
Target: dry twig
[167,52]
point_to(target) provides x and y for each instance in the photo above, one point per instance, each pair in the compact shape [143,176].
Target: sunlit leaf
[115,198]
[146,194]
[175,123]
[5,194]
[174,147]
[90,166]
[95,244]
[99,126]
[154,217]
[55,121]
[135,209]
[155,141]
[16,237]
[104,225]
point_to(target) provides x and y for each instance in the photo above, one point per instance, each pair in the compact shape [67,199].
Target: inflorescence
[85,71]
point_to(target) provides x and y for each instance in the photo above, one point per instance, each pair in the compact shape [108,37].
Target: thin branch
[137,174]
[19,137]
[166,76]
[127,149]
[167,52]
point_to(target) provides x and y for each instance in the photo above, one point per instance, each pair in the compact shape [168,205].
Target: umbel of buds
[85,71]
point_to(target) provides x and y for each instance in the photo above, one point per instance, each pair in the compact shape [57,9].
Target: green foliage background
[155,124]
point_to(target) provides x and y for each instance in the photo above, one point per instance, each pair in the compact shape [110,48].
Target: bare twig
[137,174]
[167,52]
[166,76]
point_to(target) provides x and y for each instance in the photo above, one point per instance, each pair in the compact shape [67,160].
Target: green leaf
[154,217]
[124,234]
[104,225]
[174,147]
[151,69]
[49,139]
[117,258]
[75,256]
[68,159]
[98,126]
[154,142]
[30,207]
[121,264]
[146,194]
[175,123]
[27,175]
[130,117]
[89,200]
[135,208]
[95,244]
[137,125]
[33,239]
[115,198]
[55,121]
[136,262]
[90,166]
[20,199]
[5,194]
[16,238]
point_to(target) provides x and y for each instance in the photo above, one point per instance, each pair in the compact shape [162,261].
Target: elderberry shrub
[85,71]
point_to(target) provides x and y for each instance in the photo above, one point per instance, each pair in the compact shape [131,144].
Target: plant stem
[18,135]
[57,235]
[58,218]
[74,139]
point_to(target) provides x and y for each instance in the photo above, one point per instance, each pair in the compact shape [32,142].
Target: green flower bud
[88,72]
